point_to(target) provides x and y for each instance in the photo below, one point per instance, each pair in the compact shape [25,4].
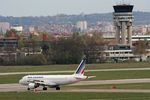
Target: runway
[71,71]
[20,88]
[109,90]
[121,81]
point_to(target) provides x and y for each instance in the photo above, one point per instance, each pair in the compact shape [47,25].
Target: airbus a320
[54,81]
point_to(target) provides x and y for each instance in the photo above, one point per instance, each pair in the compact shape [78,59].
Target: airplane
[54,81]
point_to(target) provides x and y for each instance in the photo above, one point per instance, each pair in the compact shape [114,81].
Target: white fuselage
[52,80]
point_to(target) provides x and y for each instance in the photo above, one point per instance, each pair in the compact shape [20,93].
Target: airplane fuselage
[52,80]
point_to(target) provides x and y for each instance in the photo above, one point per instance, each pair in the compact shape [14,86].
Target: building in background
[18,28]
[4,26]
[8,50]
[81,26]
[123,18]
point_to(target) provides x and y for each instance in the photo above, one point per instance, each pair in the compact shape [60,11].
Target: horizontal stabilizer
[91,77]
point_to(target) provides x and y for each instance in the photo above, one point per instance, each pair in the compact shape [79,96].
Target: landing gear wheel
[57,88]
[28,89]
[44,88]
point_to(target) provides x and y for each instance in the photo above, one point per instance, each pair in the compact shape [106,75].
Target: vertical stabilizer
[80,69]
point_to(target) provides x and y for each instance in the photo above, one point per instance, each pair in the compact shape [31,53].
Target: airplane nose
[20,81]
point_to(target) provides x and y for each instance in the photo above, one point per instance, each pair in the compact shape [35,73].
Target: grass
[107,75]
[10,79]
[73,96]
[111,75]
[110,86]
[4,69]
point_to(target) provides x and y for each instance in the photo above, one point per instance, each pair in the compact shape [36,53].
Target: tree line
[70,50]
[62,50]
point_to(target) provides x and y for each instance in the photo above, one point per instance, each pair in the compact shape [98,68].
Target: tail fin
[80,69]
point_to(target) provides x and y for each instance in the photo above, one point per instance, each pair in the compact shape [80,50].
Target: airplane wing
[44,82]
[49,83]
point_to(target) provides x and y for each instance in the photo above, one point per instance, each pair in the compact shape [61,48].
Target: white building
[31,29]
[18,28]
[82,26]
[4,26]
[106,26]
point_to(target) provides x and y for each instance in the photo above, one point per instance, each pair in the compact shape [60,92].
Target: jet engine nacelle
[32,86]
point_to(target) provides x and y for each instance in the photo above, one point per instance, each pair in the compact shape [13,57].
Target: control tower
[123,18]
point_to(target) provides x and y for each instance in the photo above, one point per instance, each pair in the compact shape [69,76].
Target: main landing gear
[44,88]
[28,89]
[57,88]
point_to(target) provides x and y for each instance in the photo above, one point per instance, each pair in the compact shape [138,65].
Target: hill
[139,18]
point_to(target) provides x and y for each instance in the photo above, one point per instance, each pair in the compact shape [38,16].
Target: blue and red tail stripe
[80,69]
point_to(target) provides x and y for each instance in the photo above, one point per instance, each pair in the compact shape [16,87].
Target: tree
[46,46]
[67,50]
[141,49]
[11,33]
[34,42]
[37,59]
[20,44]
[93,47]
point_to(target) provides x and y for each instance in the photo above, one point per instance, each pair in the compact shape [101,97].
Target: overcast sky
[54,7]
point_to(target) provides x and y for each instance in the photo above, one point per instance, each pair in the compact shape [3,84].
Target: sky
[19,8]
